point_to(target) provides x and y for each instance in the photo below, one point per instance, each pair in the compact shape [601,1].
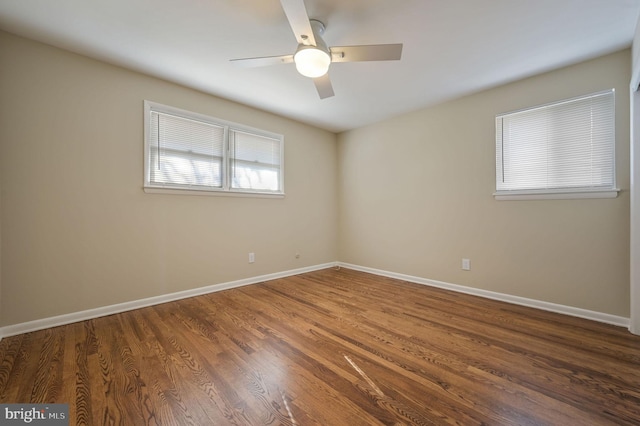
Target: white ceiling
[451,47]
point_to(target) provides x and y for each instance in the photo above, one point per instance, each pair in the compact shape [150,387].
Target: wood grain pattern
[332,347]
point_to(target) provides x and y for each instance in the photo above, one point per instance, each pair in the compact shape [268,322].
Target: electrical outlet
[297,255]
[466,265]
[252,257]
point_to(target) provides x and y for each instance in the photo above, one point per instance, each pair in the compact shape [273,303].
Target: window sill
[174,191]
[554,195]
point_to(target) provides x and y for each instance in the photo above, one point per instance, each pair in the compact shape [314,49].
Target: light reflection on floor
[286,405]
[364,376]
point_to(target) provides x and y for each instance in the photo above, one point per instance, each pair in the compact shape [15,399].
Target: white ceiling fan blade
[299,21]
[323,86]
[262,61]
[371,52]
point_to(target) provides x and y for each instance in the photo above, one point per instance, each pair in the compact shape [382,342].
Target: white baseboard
[545,306]
[59,320]
[26,327]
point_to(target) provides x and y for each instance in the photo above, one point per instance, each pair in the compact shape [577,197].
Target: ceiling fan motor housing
[313,61]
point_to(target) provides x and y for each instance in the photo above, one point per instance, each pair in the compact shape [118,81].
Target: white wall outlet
[252,257]
[297,255]
[466,265]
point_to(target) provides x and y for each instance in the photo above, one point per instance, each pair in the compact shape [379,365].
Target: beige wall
[416,197]
[77,230]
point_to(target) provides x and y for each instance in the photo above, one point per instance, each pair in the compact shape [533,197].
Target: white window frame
[607,191]
[227,188]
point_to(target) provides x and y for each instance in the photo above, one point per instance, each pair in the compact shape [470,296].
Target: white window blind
[255,161]
[564,147]
[185,152]
[189,151]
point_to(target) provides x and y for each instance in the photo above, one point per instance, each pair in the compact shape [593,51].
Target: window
[193,152]
[560,150]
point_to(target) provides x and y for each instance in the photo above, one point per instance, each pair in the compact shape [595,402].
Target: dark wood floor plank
[336,347]
[48,375]
[9,351]
[158,398]
[187,396]
[26,366]
[76,377]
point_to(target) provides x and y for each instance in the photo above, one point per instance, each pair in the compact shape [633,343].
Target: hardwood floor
[332,347]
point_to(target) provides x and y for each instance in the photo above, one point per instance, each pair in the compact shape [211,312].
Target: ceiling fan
[312,57]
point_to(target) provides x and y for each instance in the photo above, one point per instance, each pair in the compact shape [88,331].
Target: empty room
[319,212]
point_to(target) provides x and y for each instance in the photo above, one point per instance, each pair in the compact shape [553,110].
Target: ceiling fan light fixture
[311,61]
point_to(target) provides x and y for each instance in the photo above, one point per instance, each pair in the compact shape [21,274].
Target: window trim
[226,189]
[557,193]
[547,194]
